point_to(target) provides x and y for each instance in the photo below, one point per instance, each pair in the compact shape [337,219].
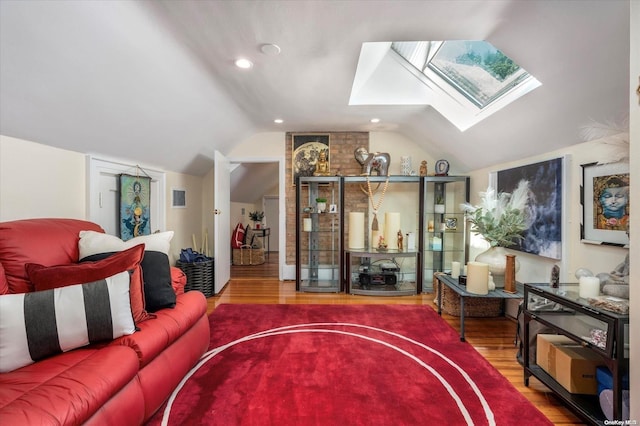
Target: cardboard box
[573,366]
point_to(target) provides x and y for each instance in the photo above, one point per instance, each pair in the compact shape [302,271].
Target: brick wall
[341,159]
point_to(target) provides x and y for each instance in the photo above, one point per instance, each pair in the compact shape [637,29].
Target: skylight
[476,69]
[466,81]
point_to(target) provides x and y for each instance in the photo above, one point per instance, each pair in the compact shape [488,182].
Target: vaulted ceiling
[154,81]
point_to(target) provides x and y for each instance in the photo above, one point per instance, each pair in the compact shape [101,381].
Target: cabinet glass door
[445,231]
[384,259]
[318,231]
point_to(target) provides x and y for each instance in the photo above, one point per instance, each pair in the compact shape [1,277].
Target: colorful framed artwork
[604,196]
[544,235]
[135,198]
[310,155]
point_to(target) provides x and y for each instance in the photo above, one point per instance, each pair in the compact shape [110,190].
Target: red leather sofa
[120,382]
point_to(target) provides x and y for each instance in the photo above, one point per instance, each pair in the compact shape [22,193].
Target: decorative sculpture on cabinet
[373,162]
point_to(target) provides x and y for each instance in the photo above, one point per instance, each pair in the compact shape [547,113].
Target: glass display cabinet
[319,232]
[603,332]
[445,235]
[384,271]
[424,212]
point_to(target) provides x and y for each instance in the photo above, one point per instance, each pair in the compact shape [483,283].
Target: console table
[461,290]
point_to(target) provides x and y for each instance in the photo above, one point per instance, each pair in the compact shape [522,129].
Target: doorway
[257,184]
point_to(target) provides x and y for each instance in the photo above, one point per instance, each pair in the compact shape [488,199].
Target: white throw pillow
[92,242]
[40,324]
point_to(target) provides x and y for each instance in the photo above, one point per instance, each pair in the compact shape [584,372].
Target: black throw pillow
[156,273]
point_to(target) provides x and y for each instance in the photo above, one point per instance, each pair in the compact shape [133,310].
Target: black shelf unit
[572,316]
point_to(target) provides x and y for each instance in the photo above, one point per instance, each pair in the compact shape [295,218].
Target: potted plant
[256,217]
[501,219]
[321,204]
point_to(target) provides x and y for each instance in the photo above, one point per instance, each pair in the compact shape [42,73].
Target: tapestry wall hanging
[544,235]
[310,155]
[604,196]
[135,198]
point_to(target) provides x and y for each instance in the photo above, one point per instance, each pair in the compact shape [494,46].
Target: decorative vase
[322,206]
[496,258]
[438,208]
[510,274]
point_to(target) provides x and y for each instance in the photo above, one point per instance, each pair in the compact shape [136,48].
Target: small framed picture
[333,208]
[451,223]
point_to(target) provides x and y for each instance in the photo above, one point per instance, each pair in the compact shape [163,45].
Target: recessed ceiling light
[270,49]
[278,121]
[243,63]
[375,120]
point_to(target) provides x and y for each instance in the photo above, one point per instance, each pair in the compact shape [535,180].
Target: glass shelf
[382,273]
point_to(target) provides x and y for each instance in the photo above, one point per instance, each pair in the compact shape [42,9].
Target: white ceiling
[154,81]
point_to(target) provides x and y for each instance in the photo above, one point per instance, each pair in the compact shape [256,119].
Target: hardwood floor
[491,337]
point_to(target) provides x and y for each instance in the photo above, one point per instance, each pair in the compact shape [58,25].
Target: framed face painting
[604,196]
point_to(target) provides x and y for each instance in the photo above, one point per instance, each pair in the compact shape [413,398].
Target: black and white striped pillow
[36,325]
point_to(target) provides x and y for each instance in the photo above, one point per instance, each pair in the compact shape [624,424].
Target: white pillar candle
[306,224]
[477,278]
[391,228]
[455,269]
[589,287]
[356,230]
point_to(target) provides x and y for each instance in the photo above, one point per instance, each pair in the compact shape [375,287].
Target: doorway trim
[281,204]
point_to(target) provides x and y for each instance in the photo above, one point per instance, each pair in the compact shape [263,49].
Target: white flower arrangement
[501,217]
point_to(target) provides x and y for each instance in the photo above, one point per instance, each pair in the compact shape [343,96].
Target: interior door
[221,221]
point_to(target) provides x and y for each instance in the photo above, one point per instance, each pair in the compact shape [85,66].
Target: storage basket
[473,306]
[199,276]
[248,256]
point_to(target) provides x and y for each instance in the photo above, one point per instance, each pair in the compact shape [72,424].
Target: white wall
[595,258]
[238,217]
[207,208]
[266,144]
[399,146]
[40,181]
[185,222]
[634,109]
